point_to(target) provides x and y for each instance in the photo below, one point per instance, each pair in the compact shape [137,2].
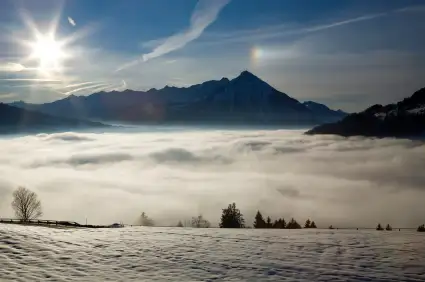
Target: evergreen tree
[293,224]
[283,225]
[388,228]
[180,224]
[307,223]
[421,228]
[313,225]
[379,227]
[269,222]
[145,220]
[279,224]
[232,218]
[259,221]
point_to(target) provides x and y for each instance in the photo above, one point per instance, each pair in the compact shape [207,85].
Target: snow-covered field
[179,254]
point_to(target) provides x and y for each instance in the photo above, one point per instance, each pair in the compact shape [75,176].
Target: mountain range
[245,99]
[403,119]
[16,120]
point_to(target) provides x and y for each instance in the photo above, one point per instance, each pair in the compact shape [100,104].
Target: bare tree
[26,204]
[200,222]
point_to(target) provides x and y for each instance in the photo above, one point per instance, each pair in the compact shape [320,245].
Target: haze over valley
[175,173]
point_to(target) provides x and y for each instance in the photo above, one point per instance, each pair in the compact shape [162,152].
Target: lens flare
[49,52]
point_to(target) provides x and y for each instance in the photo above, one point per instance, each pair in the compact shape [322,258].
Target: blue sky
[347,54]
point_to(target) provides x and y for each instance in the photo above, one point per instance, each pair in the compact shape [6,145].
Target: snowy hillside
[179,254]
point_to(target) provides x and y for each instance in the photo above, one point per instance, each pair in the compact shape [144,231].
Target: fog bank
[173,175]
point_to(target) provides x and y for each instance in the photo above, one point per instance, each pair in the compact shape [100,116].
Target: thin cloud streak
[71,21]
[11,67]
[419,8]
[44,85]
[80,84]
[86,87]
[345,22]
[205,13]
[30,79]
[7,95]
[282,30]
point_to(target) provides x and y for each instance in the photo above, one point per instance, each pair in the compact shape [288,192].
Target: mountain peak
[247,74]
[247,77]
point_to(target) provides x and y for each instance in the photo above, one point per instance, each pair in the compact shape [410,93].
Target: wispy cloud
[284,30]
[95,86]
[71,21]
[31,79]
[5,96]
[418,8]
[80,84]
[344,22]
[124,84]
[204,14]
[11,67]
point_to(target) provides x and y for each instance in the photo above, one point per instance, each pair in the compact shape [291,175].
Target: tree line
[232,217]
[280,223]
[27,206]
[387,228]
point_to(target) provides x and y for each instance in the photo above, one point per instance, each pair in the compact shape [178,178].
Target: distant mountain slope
[245,99]
[326,114]
[404,119]
[16,120]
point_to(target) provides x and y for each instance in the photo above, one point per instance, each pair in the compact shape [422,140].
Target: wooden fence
[49,223]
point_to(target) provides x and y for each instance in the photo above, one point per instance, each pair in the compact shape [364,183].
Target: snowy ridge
[177,254]
[417,111]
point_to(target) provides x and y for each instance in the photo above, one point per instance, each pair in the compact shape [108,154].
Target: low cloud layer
[173,175]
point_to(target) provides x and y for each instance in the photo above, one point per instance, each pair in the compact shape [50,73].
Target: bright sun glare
[48,52]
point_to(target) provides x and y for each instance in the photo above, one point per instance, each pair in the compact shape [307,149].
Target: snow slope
[178,254]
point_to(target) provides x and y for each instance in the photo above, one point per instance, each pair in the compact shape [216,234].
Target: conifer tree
[293,224]
[232,218]
[259,221]
[269,222]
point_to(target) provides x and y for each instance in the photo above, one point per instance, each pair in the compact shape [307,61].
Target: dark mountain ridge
[245,99]
[403,119]
[17,120]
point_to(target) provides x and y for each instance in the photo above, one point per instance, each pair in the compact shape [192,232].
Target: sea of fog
[174,173]
[186,254]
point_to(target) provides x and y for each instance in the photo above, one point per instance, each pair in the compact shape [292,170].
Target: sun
[48,52]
